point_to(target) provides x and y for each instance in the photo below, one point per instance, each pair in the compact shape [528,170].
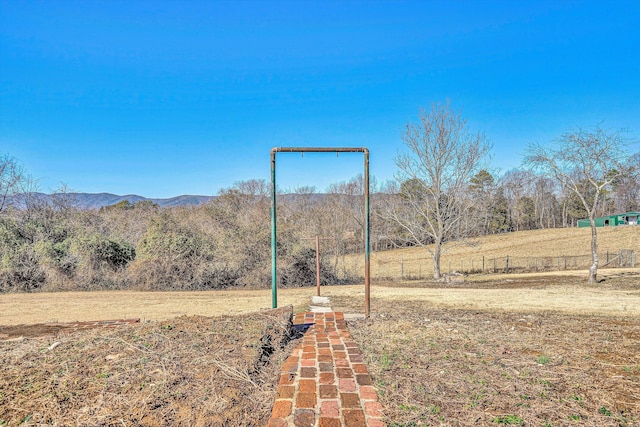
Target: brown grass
[535,243]
[528,292]
[190,371]
[542,349]
[452,367]
[562,292]
[534,350]
[77,306]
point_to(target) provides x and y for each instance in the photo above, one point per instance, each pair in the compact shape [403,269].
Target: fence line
[422,268]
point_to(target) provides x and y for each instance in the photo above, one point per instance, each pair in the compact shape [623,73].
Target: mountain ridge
[100,200]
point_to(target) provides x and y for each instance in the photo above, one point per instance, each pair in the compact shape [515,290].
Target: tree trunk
[593,270]
[436,261]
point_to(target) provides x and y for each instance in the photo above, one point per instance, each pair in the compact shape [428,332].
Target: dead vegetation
[453,367]
[189,371]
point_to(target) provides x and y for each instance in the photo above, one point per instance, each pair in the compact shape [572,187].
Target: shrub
[174,255]
[96,250]
[300,270]
[22,272]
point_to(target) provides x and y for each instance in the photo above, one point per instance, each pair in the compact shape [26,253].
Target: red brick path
[325,383]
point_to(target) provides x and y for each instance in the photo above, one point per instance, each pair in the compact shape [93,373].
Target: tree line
[444,193]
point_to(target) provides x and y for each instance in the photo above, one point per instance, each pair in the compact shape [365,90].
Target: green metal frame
[367,251]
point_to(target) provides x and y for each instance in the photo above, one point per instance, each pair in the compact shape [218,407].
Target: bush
[300,270]
[167,240]
[173,255]
[58,256]
[96,250]
[23,272]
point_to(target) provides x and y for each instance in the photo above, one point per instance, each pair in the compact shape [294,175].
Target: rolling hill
[99,200]
[532,250]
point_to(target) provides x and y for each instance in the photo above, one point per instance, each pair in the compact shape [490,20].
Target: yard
[495,350]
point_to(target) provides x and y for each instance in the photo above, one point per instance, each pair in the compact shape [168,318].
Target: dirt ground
[564,355]
[453,367]
[535,350]
[189,371]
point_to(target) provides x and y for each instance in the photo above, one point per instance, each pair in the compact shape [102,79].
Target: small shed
[628,218]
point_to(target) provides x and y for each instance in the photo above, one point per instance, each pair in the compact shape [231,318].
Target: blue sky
[161,98]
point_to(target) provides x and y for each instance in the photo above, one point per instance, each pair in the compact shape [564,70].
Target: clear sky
[162,98]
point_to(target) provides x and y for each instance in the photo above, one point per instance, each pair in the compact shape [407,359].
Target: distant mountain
[99,200]
[95,201]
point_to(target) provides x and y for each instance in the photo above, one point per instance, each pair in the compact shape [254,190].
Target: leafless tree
[626,195]
[12,176]
[545,202]
[434,176]
[518,188]
[586,162]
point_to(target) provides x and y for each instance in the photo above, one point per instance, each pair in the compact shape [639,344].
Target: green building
[628,218]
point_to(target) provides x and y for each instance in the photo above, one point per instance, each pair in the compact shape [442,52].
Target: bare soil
[187,371]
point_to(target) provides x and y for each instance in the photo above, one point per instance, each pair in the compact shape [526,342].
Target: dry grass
[528,292]
[535,350]
[544,350]
[535,243]
[77,306]
[190,371]
[452,367]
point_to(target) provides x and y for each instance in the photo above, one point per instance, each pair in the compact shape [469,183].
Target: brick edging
[325,382]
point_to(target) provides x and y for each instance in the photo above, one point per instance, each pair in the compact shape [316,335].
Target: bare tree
[12,177]
[517,185]
[434,176]
[626,195]
[587,163]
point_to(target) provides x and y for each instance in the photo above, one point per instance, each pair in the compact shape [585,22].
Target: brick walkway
[325,383]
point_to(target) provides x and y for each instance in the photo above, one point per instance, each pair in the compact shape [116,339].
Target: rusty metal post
[318,264]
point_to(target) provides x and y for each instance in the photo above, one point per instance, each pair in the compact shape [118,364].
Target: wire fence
[422,268]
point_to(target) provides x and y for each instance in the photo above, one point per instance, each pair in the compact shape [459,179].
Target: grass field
[525,292]
[521,247]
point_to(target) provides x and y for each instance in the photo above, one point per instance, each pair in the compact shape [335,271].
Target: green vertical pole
[274,271]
